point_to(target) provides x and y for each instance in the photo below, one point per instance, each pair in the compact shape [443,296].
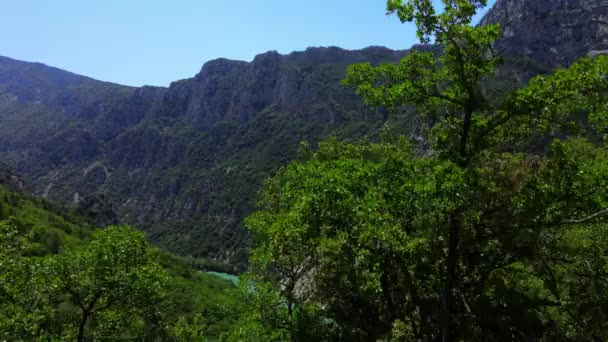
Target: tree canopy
[497,232]
[115,286]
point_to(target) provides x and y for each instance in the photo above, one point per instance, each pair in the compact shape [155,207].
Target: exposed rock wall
[551,32]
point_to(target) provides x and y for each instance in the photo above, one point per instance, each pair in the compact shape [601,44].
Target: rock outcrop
[552,33]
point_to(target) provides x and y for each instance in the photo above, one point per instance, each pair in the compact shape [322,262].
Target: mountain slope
[49,230]
[184,162]
[50,227]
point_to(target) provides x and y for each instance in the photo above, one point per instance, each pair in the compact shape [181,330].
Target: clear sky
[154,42]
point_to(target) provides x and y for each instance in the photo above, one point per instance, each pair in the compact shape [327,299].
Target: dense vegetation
[497,233]
[494,228]
[61,279]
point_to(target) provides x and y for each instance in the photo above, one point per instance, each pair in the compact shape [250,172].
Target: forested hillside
[63,279]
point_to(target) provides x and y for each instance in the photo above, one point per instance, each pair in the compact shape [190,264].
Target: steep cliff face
[183,163]
[235,90]
[194,167]
[551,32]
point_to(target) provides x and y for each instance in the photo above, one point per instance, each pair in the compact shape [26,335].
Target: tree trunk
[83,323]
[86,312]
[447,301]
[386,288]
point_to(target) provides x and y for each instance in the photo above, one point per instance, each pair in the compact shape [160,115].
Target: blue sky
[137,42]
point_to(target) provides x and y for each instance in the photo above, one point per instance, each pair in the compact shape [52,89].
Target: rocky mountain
[550,33]
[184,163]
[10,180]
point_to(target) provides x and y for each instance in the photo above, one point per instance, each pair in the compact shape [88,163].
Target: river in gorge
[230,277]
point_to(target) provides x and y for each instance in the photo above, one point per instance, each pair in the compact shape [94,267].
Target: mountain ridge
[121,140]
[184,162]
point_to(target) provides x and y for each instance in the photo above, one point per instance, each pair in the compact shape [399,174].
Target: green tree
[113,284]
[483,238]
[24,308]
[263,316]
[267,314]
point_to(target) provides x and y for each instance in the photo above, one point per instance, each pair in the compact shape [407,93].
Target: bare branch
[495,53]
[587,218]
[464,302]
